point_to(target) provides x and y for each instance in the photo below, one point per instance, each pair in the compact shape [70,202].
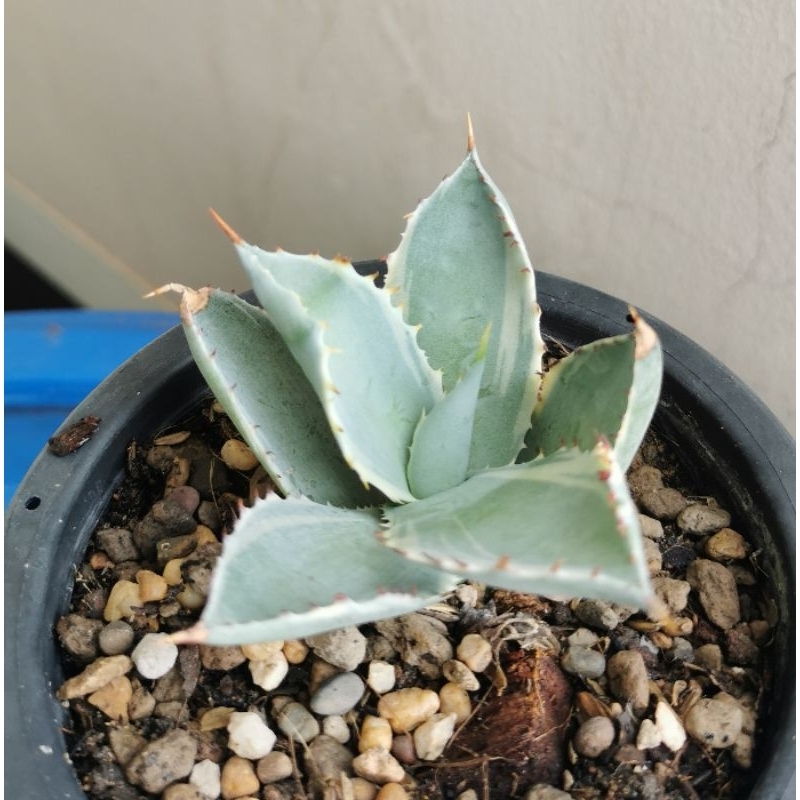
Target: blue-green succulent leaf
[563,526]
[608,388]
[295,568]
[462,265]
[440,449]
[648,371]
[259,384]
[361,357]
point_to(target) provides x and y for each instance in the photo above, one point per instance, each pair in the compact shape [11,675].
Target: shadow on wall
[26,289]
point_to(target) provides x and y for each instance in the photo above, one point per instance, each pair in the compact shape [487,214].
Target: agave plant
[411,433]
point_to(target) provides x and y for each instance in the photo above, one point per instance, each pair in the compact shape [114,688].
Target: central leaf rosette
[411,432]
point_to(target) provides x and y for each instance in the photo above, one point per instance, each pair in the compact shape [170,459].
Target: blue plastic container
[53,359]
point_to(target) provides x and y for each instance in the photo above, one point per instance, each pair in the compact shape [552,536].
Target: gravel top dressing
[487,694]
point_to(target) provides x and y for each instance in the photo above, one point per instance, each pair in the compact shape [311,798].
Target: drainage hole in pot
[33,503]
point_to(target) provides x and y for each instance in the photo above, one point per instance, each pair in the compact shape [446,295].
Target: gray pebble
[582,637]
[208,514]
[673,593]
[594,737]
[698,519]
[296,721]
[80,636]
[163,761]
[187,497]
[344,648]
[420,642]
[628,678]
[328,759]
[716,588]
[116,638]
[652,556]
[644,479]
[338,694]
[584,662]
[663,503]
[165,519]
[174,547]
[117,544]
[198,567]
[651,528]
[681,649]
[125,743]
[597,614]
[740,647]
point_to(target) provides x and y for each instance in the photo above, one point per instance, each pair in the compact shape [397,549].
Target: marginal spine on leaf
[226,229]
[645,337]
[197,634]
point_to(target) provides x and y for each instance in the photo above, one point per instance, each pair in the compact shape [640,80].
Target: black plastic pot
[715,419]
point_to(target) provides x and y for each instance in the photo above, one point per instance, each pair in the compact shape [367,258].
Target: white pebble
[669,727]
[206,777]
[335,727]
[594,737]
[432,736]
[475,652]
[155,655]
[380,677]
[269,672]
[648,736]
[249,736]
[379,766]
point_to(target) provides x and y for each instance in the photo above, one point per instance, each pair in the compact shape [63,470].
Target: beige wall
[647,146]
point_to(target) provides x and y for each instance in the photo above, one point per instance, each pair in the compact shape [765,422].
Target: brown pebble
[628,678]
[663,503]
[238,456]
[407,708]
[152,587]
[644,479]
[700,518]
[391,791]
[740,647]
[118,544]
[726,545]
[95,676]
[162,761]
[113,699]
[238,778]
[125,743]
[79,636]
[142,703]
[122,601]
[274,766]
[716,588]
[403,748]
[225,657]
[182,791]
